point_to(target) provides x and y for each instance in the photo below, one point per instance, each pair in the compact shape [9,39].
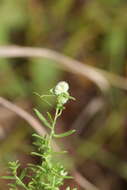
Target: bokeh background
[93,32]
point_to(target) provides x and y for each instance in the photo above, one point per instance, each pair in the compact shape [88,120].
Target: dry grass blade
[101,78]
[72,65]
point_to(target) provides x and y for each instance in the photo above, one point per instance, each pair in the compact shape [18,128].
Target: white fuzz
[61,87]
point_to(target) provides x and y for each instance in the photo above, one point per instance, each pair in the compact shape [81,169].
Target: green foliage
[48,174]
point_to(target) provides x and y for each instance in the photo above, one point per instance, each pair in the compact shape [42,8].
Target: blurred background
[93,32]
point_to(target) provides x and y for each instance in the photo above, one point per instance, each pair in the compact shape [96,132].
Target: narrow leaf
[38,136]
[8,177]
[42,118]
[36,154]
[64,134]
[50,117]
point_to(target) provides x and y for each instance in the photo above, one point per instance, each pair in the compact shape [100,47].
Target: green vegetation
[48,174]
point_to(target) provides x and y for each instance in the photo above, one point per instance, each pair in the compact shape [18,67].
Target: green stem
[53,125]
[21,183]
